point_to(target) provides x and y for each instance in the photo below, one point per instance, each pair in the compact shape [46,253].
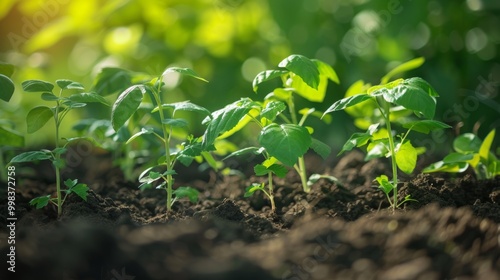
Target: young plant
[128,103]
[470,151]
[383,105]
[39,116]
[283,137]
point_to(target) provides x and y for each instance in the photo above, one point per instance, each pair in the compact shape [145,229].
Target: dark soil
[337,231]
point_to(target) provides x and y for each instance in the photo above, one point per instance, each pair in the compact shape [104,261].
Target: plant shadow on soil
[333,232]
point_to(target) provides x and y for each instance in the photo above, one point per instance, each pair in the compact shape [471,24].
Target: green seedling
[283,138]
[128,103]
[470,151]
[383,105]
[39,116]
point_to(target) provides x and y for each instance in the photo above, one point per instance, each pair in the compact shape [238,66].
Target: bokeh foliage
[229,41]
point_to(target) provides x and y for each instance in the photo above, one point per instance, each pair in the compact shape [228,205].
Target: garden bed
[334,232]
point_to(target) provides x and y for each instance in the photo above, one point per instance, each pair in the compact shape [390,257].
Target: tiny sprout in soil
[128,103]
[387,103]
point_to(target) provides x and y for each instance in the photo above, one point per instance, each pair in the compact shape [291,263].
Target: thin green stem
[302,173]
[166,142]
[271,191]
[392,149]
[57,159]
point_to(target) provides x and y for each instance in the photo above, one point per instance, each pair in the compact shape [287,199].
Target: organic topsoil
[340,230]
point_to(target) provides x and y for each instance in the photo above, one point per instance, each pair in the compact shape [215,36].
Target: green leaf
[467,143]
[286,142]
[302,66]
[49,96]
[111,80]
[278,169]
[81,190]
[68,84]
[484,150]
[225,119]
[413,94]
[320,148]
[126,105]
[10,138]
[249,191]
[347,102]
[70,183]
[441,166]
[377,149]
[384,184]
[245,151]
[407,66]
[175,122]
[144,130]
[326,70]
[406,157]
[458,157]
[38,117]
[37,86]
[425,126]
[184,106]
[40,202]
[266,76]
[30,157]
[188,192]
[315,94]
[6,88]
[272,109]
[356,140]
[184,71]
[88,97]
[6,69]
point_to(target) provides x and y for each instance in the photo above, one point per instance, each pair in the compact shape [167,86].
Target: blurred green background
[229,41]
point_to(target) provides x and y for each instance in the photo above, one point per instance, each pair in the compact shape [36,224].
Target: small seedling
[392,102]
[39,116]
[128,103]
[287,140]
[470,151]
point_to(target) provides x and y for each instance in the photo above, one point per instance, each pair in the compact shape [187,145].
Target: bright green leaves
[225,119]
[37,86]
[406,157]
[184,106]
[191,193]
[470,151]
[303,67]
[38,117]
[40,202]
[414,94]
[307,77]
[425,126]
[79,189]
[111,80]
[6,85]
[286,142]
[87,97]
[347,102]
[266,76]
[184,71]
[126,105]
[30,157]
[264,169]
